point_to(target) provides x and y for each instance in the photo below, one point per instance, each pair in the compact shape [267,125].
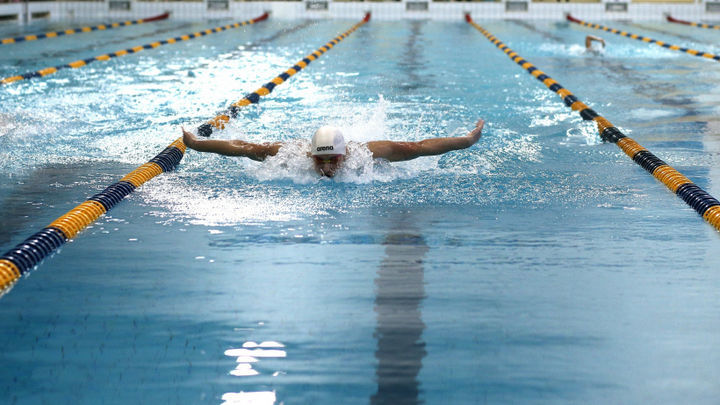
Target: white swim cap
[328,141]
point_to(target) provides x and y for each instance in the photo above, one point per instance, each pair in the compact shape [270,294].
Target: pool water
[540,266]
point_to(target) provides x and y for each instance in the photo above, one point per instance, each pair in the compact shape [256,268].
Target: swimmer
[589,40]
[328,148]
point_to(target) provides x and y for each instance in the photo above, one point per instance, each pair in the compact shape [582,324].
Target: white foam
[205,205]
[255,353]
[262,344]
[246,359]
[249,398]
[585,132]
[244,372]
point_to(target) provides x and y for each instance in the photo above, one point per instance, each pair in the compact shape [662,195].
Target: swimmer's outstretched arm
[235,147]
[590,38]
[399,151]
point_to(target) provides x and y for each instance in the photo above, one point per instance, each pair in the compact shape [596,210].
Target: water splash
[179,199]
[249,398]
[585,132]
[294,163]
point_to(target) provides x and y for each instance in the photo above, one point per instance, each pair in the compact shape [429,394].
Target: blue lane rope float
[25,256]
[224,117]
[84,62]
[663,44]
[703,203]
[693,24]
[72,31]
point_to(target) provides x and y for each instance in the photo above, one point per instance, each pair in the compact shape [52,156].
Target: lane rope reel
[693,24]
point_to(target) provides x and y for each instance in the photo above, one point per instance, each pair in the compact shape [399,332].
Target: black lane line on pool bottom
[543,33]
[399,299]
[412,61]
[263,41]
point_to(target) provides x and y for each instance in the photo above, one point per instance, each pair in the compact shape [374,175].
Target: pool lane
[703,203]
[545,279]
[72,31]
[663,44]
[105,57]
[21,60]
[232,112]
[25,256]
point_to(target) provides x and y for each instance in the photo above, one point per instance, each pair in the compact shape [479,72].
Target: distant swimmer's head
[328,150]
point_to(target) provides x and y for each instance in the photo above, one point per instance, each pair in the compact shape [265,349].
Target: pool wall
[416,9]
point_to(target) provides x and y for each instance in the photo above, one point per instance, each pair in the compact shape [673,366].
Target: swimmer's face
[327,165]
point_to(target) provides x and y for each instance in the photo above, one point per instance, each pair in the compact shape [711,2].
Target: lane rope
[703,203]
[694,24]
[72,31]
[232,112]
[105,57]
[26,255]
[663,44]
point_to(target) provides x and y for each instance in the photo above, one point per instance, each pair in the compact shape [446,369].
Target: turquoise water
[539,266]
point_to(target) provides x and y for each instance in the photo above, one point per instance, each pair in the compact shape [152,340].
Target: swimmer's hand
[475,134]
[189,139]
[589,40]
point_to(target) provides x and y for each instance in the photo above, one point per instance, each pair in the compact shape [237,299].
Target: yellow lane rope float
[72,31]
[693,24]
[702,202]
[84,62]
[224,117]
[26,255]
[664,44]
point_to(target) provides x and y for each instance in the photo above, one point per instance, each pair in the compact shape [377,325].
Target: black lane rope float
[645,39]
[105,57]
[702,202]
[224,117]
[72,31]
[694,24]
[26,255]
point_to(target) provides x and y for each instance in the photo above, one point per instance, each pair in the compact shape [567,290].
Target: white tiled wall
[354,10]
